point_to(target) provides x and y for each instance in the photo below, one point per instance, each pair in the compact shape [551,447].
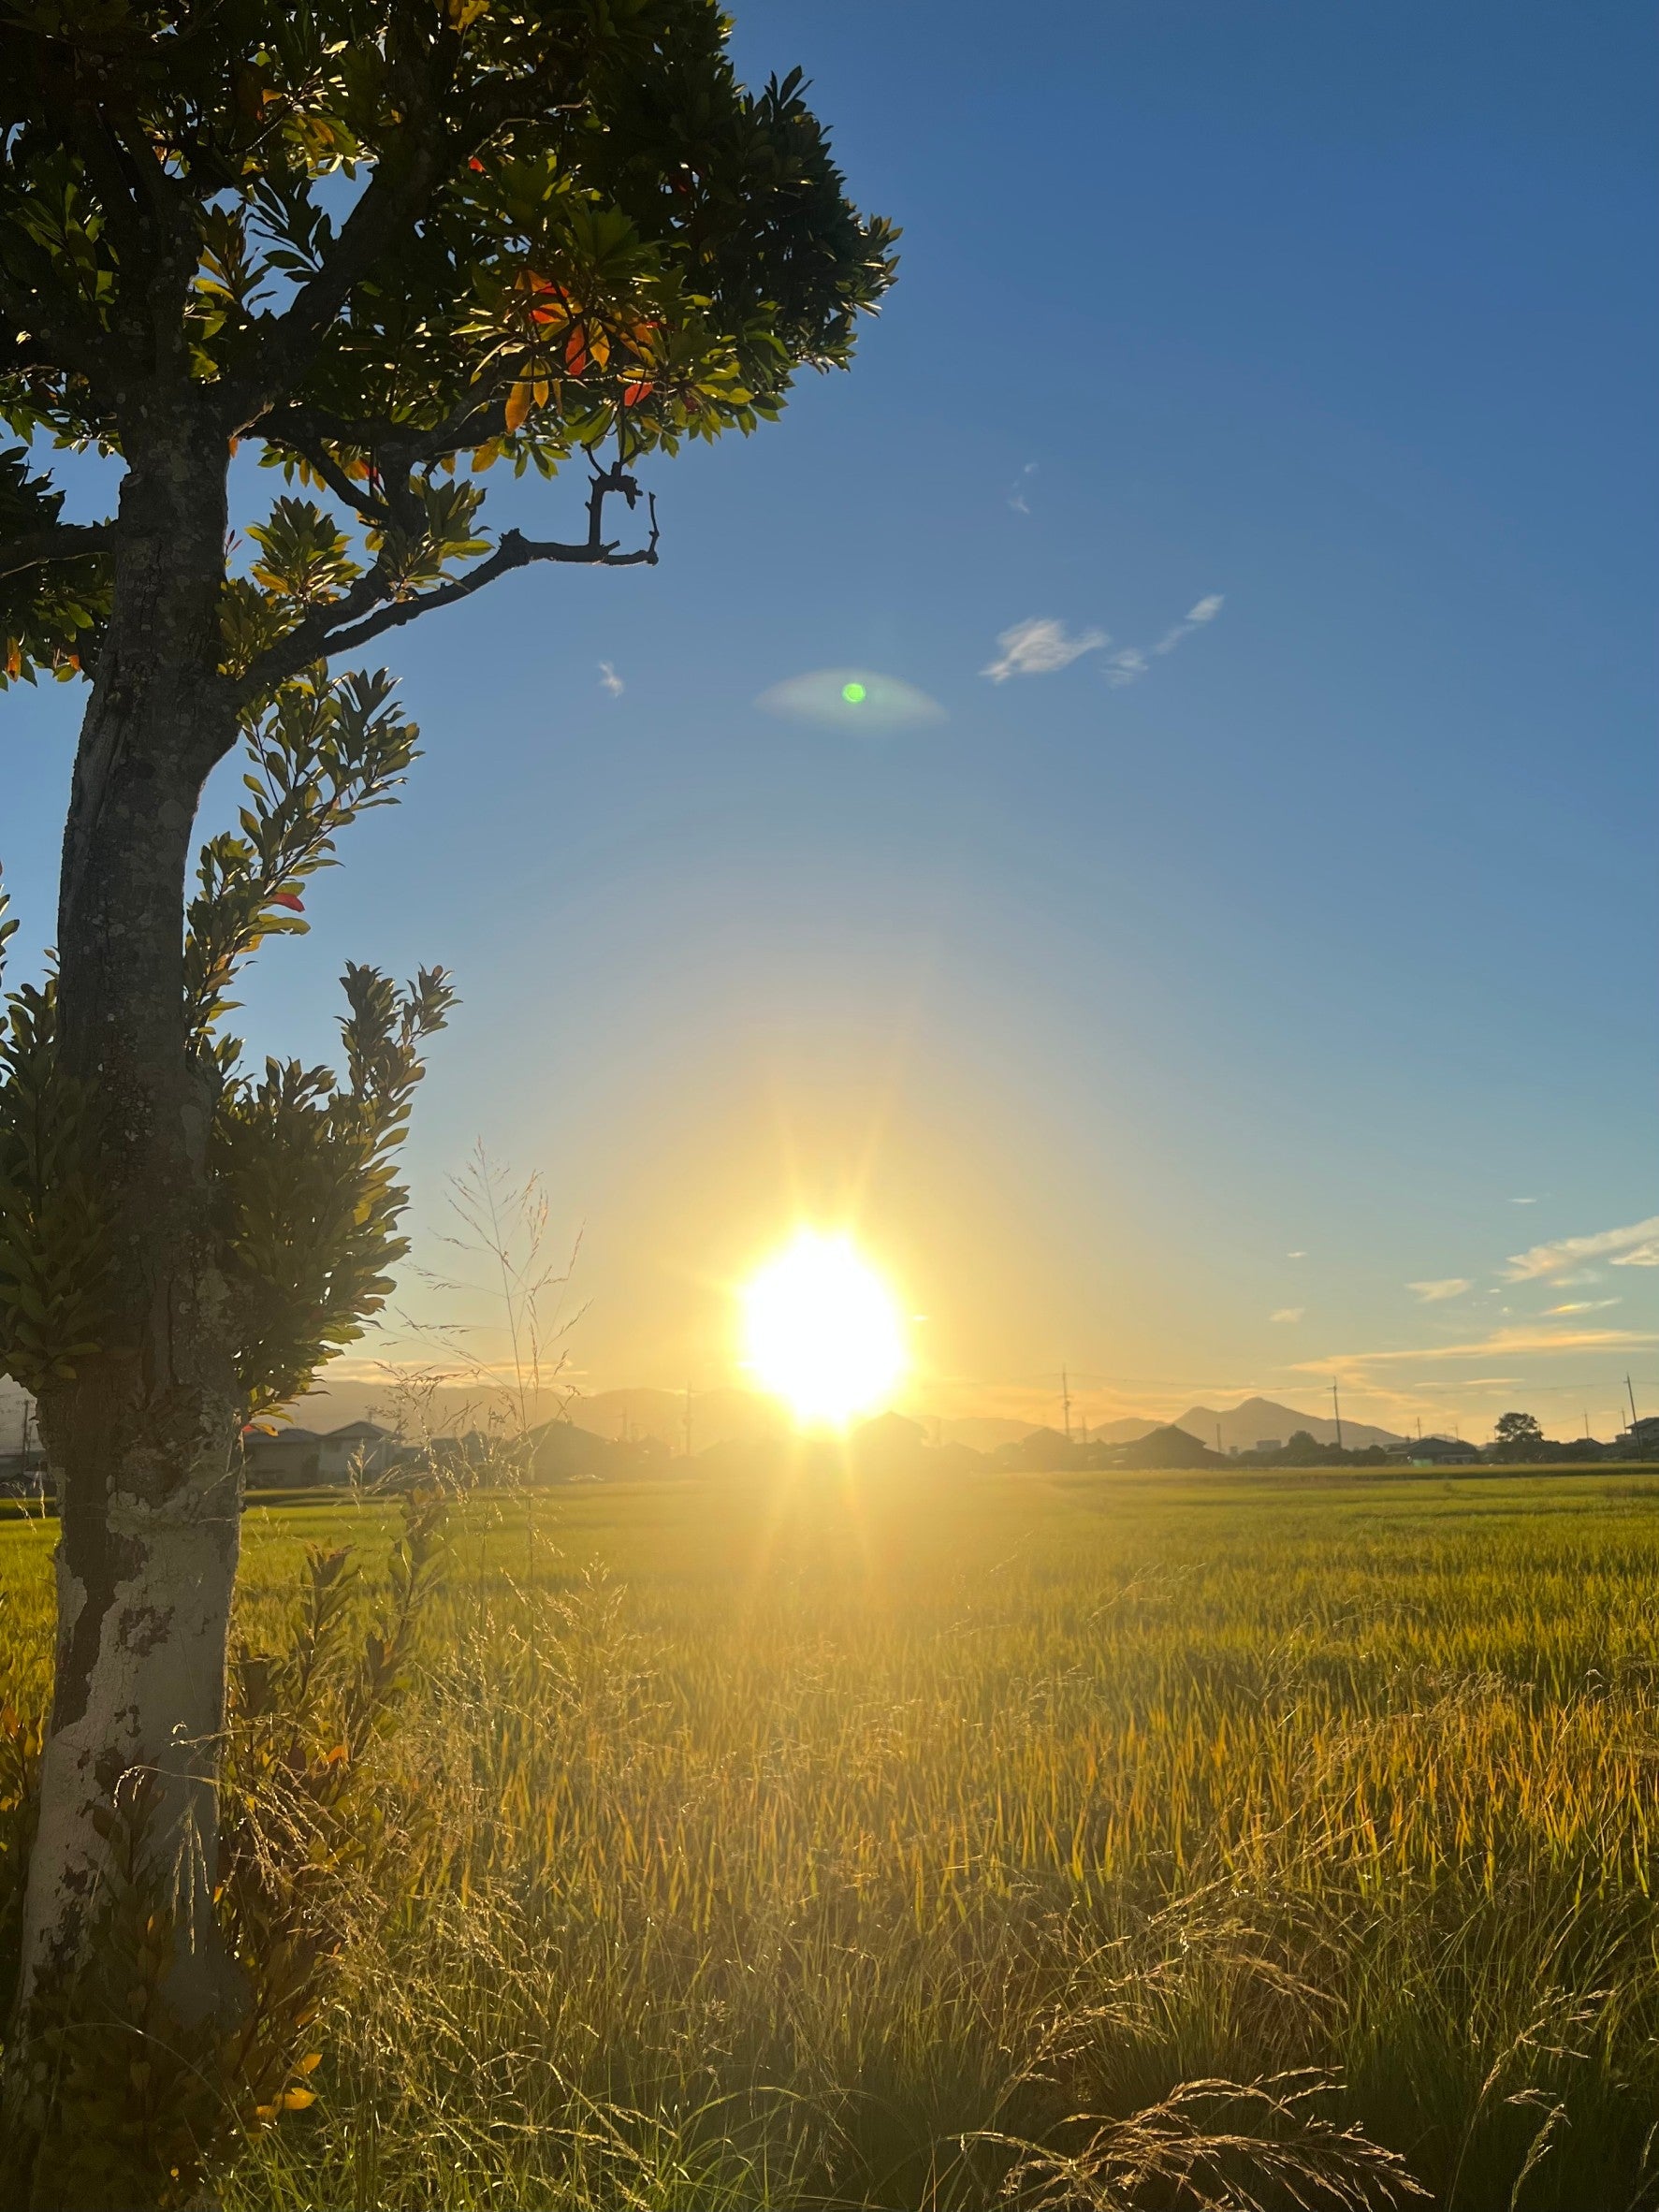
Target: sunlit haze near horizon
[1136,806]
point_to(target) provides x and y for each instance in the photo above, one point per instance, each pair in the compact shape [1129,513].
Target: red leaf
[634,393]
[289,899]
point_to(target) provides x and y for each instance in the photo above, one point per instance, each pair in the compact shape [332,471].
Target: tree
[385,246]
[1518,1435]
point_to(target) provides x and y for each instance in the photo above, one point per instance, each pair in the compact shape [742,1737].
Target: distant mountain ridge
[743,1416]
[1255,1420]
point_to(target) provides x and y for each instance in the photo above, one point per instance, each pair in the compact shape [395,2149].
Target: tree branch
[57,541]
[478,417]
[394,197]
[341,628]
[52,345]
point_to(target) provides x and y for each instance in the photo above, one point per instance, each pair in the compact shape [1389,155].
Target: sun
[821,1332]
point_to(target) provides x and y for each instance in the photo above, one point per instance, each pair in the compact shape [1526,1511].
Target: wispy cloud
[1505,1341]
[1584,1305]
[1016,498]
[1288,1313]
[1130,664]
[1635,1247]
[1296,1255]
[610,681]
[1441,1287]
[1526,1202]
[1205,611]
[1039,647]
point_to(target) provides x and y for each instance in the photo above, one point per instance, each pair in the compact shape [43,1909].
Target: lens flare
[822,1330]
[852,699]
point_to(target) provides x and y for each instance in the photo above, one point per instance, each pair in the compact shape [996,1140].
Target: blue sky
[1330,932]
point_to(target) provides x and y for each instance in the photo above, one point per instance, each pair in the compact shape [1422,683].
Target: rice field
[797,1845]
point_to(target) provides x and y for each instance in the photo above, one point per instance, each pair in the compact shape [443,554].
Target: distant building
[1267,1444]
[1435,1452]
[294,1459]
[1042,1450]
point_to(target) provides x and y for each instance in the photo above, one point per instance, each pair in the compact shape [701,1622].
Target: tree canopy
[1519,1433]
[396,243]
[390,245]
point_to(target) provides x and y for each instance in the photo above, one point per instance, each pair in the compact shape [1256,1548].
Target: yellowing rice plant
[1065,1843]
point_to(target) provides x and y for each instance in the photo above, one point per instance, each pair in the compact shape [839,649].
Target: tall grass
[791,1845]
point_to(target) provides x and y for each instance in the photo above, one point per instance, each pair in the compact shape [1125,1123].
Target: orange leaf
[518,406]
[634,393]
[297,2100]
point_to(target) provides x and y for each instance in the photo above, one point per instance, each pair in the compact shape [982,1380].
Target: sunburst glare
[822,1332]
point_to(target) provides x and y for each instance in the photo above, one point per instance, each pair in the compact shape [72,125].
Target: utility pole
[1066,1402]
[1336,1408]
[1632,1397]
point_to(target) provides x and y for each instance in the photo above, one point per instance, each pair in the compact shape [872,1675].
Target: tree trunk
[143,1441]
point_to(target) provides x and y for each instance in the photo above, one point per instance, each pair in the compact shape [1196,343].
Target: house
[1435,1452]
[1268,1444]
[281,1458]
[294,1458]
[356,1446]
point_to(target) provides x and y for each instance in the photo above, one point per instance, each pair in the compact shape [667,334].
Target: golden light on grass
[822,1332]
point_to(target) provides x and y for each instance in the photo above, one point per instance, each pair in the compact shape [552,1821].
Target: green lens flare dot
[852,694]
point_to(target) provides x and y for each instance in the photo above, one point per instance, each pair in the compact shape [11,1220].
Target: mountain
[1254,1419]
[1129,1430]
[980,1432]
[718,1417]
[743,1416]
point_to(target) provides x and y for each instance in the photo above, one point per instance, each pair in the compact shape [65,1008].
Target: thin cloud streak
[1129,666]
[1637,1245]
[1542,1341]
[1443,1287]
[1288,1313]
[1039,647]
[1205,611]
[610,681]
